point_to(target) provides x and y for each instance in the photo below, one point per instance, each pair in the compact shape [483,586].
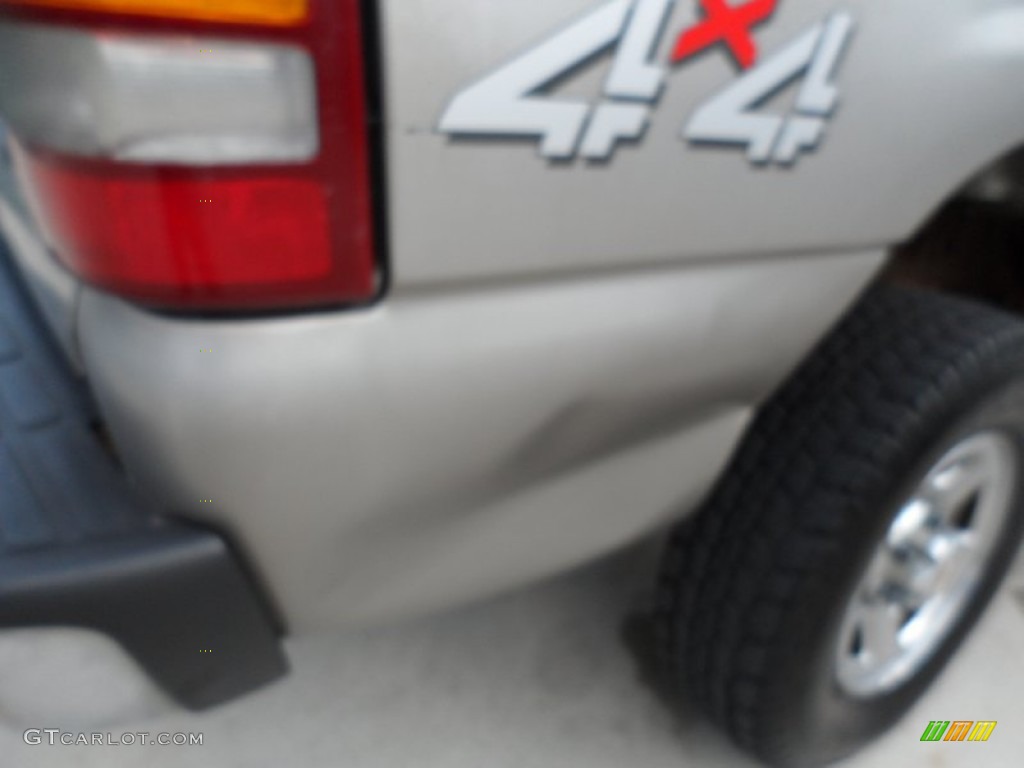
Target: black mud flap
[80,547]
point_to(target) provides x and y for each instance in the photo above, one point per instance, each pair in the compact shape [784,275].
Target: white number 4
[504,103]
[729,117]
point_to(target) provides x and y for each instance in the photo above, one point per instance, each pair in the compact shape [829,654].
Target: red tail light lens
[186,239]
[192,207]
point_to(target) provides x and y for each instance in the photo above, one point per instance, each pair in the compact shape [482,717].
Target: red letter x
[725,24]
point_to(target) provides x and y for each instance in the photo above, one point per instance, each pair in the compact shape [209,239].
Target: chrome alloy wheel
[925,572]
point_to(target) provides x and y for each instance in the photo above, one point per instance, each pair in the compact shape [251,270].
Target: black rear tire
[752,591]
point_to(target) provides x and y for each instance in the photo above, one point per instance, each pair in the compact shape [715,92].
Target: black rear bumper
[79,546]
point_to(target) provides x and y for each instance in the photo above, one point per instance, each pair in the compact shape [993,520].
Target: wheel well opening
[974,245]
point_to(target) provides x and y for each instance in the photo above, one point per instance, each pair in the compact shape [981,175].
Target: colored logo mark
[959,730]
[728,24]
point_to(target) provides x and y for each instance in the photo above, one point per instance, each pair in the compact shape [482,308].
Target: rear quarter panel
[487,423]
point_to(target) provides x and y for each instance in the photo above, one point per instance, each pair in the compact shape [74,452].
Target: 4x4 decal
[510,102]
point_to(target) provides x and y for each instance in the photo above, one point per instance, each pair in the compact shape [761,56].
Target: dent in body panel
[538,530]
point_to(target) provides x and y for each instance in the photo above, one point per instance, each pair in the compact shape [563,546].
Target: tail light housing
[196,155]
